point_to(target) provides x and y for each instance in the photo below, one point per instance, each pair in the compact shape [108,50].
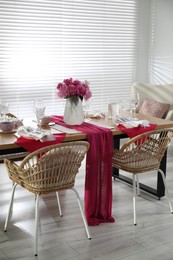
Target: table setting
[101,133]
[9,124]
[122,114]
[133,126]
[32,137]
[49,130]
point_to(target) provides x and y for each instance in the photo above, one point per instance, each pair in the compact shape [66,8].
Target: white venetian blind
[44,41]
[161,59]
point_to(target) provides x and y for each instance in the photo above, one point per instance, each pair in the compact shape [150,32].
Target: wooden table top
[7,139]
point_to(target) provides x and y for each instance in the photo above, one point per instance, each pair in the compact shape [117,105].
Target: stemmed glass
[4,109]
[134,102]
[87,107]
[39,110]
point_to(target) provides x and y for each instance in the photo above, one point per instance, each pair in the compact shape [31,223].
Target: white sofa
[160,93]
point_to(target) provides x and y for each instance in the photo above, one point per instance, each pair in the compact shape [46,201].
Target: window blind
[43,42]
[161,51]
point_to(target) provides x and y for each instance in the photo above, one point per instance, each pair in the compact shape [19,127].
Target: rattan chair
[49,169]
[141,154]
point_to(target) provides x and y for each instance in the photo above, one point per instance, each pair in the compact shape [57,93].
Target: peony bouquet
[70,87]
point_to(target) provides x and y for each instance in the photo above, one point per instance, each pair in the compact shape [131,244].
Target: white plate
[100,124]
[50,124]
[7,132]
[64,129]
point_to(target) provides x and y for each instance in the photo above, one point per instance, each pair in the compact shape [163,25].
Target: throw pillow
[153,108]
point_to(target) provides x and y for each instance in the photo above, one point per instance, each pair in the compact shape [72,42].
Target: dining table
[97,201]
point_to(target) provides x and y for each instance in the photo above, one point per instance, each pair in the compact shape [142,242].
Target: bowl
[7,126]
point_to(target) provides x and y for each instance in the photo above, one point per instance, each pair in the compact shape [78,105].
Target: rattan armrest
[13,171]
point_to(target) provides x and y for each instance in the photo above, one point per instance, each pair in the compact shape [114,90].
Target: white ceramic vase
[73,114]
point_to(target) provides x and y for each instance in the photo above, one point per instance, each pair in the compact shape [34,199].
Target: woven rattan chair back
[52,168]
[143,152]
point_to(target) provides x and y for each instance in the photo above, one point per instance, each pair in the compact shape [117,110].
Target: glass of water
[134,102]
[4,106]
[39,110]
[113,109]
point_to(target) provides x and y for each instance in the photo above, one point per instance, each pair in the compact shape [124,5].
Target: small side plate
[7,132]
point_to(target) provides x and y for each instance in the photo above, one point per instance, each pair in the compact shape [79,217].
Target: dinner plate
[7,132]
[100,124]
[50,124]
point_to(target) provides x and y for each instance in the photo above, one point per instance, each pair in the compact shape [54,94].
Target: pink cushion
[153,108]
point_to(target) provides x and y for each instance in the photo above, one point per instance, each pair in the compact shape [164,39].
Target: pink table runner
[98,182]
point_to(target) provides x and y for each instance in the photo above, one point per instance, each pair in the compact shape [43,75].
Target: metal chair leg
[59,204]
[36,223]
[137,185]
[134,199]
[166,190]
[10,206]
[82,213]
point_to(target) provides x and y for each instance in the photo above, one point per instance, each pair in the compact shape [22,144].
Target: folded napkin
[32,145]
[130,122]
[37,134]
[132,132]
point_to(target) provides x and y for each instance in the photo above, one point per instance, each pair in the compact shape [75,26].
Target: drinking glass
[113,108]
[39,110]
[87,107]
[85,110]
[134,102]
[4,109]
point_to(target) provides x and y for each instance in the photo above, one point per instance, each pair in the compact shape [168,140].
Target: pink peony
[70,87]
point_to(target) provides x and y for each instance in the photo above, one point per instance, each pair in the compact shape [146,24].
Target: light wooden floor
[65,238]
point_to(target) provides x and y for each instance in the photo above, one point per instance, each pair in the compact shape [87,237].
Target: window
[161,58]
[43,42]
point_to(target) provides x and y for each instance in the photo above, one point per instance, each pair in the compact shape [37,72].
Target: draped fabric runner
[98,181]
[132,132]
[31,144]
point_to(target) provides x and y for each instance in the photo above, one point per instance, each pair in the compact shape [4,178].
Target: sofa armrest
[169,115]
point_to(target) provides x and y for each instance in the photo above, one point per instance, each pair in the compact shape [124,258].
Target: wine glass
[39,110]
[134,102]
[4,109]
[87,107]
